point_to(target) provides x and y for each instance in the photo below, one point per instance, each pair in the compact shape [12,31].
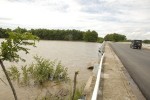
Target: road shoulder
[117,84]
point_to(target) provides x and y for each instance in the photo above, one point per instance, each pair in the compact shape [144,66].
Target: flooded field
[76,56]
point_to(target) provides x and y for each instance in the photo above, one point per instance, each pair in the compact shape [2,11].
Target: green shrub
[14,73]
[31,69]
[43,69]
[60,72]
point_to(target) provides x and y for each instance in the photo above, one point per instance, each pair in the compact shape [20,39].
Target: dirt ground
[116,85]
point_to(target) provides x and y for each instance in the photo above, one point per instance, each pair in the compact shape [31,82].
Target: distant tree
[108,37]
[146,41]
[100,39]
[8,51]
[115,37]
[47,34]
[90,36]
[20,30]
[3,32]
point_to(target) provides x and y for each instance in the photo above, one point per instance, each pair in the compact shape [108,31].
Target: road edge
[134,87]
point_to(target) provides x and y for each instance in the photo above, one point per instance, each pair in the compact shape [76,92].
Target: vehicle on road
[136,44]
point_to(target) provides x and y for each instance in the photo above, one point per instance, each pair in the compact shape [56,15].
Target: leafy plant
[31,69]
[60,72]
[9,49]
[43,69]
[14,43]
[14,73]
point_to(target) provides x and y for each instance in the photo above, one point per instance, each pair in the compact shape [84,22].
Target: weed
[43,69]
[14,73]
[25,77]
[60,73]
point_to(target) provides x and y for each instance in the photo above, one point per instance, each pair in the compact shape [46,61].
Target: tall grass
[25,75]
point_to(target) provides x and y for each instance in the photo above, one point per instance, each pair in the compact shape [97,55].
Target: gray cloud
[90,2]
[21,0]
[98,6]
[113,6]
[62,6]
[130,17]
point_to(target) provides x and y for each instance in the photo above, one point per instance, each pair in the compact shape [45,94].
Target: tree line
[119,37]
[115,37]
[47,34]
[68,35]
[147,41]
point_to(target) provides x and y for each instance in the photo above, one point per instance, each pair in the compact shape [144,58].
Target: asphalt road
[137,63]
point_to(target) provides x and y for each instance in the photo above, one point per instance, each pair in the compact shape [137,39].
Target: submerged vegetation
[63,94]
[44,71]
[14,73]
[40,72]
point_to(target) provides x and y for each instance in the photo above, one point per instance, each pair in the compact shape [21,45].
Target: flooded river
[76,56]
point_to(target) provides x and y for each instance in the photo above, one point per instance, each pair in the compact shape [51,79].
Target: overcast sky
[128,17]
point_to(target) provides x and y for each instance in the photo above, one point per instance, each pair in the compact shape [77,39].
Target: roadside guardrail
[97,83]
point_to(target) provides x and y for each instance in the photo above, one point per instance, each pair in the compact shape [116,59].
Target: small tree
[8,51]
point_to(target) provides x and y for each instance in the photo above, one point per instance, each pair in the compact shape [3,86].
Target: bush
[41,71]
[60,72]
[14,73]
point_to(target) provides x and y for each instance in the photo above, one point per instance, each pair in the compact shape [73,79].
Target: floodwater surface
[76,56]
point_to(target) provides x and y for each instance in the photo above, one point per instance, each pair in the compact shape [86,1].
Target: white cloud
[129,17]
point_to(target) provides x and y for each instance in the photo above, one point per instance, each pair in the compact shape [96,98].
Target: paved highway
[137,63]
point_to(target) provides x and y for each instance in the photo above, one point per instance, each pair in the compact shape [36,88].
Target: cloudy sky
[128,17]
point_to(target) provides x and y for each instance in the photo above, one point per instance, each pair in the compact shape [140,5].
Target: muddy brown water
[76,56]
